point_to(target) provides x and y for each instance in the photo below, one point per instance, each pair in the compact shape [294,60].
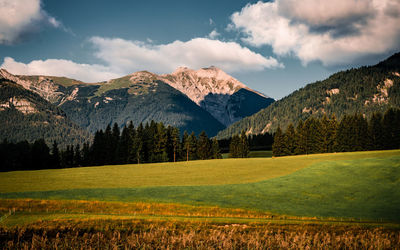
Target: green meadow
[360,185]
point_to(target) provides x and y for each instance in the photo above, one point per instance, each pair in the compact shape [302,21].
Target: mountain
[139,97]
[24,115]
[364,90]
[224,97]
[206,99]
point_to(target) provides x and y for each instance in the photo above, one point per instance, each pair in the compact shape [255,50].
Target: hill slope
[25,115]
[320,185]
[365,90]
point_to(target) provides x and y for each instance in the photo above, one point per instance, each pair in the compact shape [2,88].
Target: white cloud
[122,57]
[128,56]
[57,67]
[214,34]
[333,32]
[21,18]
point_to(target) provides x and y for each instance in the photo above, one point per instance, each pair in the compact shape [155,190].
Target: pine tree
[343,135]
[159,153]
[136,153]
[77,156]
[55,156]
[278,145]
[86,155]
[175,141]
[290,140]
[375,132]
[389,128]
[98,148]
[216,154]
[124,146]
[313,133]
[203,147]
[109,148]
[186,144]
[325,134]
[244,149]
[234,147]
[115,135]
[331,134]
[301,139]
[192,148]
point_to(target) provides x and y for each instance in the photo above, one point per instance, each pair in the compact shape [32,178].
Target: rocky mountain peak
[210,88]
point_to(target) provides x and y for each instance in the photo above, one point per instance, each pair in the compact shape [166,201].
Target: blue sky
[273,47]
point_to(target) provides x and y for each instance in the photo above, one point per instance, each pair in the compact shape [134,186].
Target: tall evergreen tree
[109,148]
[301,139]
[313,128]
[216,154]
[192,148]
[343,135]
[203,146]
[328,129]
[376,133]
[175,143]
[137,151]
[115,138]
[98,153]
[77,156]
[389,128]
[186,144]
[290,140]
[124,146]
[234,147]
[244,149]
[55,156]
[86,161]
[279,143]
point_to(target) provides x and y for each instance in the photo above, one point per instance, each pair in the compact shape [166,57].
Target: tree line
[352,133]
[152,142]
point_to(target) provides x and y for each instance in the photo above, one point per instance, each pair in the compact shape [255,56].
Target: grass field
[343,200]
[362,185]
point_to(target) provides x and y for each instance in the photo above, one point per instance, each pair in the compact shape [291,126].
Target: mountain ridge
[210,88]
[362,90]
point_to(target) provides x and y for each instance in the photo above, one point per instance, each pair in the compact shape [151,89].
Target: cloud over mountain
[59,67]
[195,53]
[121,57]
[334,32]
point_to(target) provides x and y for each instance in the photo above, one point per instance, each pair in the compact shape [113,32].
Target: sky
[273,47]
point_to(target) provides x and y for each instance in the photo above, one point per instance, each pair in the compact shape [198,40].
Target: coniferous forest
[352,133]
[152,142]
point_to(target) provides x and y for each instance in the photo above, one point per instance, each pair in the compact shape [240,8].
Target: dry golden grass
[179,235]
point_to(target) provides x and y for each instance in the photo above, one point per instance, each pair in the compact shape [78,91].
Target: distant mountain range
[207,99]
[364,90]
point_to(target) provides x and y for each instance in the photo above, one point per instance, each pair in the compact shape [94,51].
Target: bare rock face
[213,90]
[41,85]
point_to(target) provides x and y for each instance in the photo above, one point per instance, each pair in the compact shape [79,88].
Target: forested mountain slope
[363,90]
[25,115]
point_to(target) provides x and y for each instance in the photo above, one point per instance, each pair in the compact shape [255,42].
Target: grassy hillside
[350,185]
